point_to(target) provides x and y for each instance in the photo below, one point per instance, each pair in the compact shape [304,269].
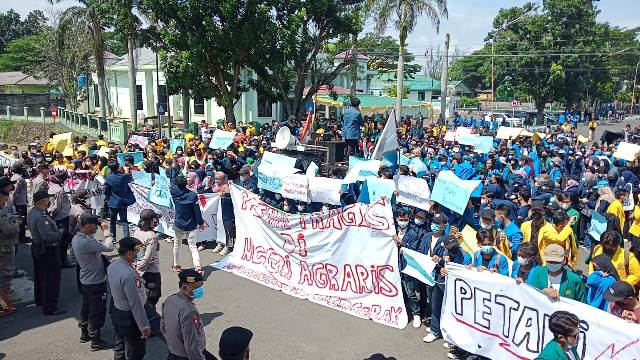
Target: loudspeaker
[336,150]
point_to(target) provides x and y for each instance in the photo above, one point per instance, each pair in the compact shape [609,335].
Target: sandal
[176,268]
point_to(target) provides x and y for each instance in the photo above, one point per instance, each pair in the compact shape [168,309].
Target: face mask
[241,178]
[286,208]
[554,267]
[418,221]
[300,208]
[435,227]
[139,256]
[523,261]
[210,173]
[565,206]
[325,209]
[485,226]
[403,224]
[486,249]
[198,292]
[483,202]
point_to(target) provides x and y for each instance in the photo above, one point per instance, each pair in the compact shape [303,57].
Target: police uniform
[127,310]
[8,240]
[181,324]
[45,250]
[93,278]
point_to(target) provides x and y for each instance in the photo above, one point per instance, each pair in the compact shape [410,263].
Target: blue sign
[138,157]
[82,81]
[159,193]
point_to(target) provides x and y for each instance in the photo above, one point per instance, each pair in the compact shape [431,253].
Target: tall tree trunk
[98,54]
[400,74]
[354,65]
[132,83]
[229,115]
[186,109]
[540,103]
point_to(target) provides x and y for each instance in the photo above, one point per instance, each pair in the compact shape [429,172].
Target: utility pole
[444,78]
[633,92]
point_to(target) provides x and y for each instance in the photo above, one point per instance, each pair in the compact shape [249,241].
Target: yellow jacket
[101,143]
[251,131]
[633,277]
[616,208]
[547,235]
[634,229]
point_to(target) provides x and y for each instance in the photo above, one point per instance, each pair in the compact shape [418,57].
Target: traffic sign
[514,103]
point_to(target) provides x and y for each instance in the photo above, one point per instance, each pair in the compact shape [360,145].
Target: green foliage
[468,102]
[21,54]
[473,70]
[12,27]
[393,91]
[114,43]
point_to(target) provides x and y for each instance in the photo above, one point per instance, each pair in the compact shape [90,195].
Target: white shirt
[434,241]
[554,281]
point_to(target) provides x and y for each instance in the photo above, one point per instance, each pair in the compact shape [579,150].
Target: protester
[565,328]
[488,258]
[351,127]
[604,275]
[9,228]
[556,280]
[188,218]
[528,259]
[623,301]
[119,196]
[625,263]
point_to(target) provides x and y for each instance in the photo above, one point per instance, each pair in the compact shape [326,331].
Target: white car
[504,119]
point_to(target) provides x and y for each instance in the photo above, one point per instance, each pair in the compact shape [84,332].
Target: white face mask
[286,208]
[241,178]
[523,261]
[565,206]
[485,226]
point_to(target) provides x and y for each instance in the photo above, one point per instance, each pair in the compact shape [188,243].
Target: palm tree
[95,27]
[408,13]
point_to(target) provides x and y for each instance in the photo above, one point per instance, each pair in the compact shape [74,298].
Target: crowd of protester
[539,194]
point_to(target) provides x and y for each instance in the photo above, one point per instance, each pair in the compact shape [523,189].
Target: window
[96,96]
[198,105]
[264,106]
[421,96]
[163,99]
[139,102]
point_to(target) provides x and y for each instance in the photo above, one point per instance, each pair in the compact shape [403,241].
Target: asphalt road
[284,327]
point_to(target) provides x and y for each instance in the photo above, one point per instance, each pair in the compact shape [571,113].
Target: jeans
[191,241]
[114,213]
[437,295]
[94,308]
[230,231]
[409,286]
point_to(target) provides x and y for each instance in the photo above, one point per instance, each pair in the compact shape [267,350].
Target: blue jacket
[352,122]
[514,235]
[597,286]
[515,268]
[117,190]
[187,209]
[502,266]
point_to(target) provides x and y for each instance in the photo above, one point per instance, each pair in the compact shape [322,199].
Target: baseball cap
[440,218]
[5,181]
[41,194]
[234,341]
[87,218]
[554,252]
[620,290]
[601,183]
[449,242]
[537,205]
[487,213]
[190,276]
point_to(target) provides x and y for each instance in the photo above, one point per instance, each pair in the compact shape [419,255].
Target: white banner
[296,187]
[344,259]
[209,205]
[413,191]
[489,315]
[325,190]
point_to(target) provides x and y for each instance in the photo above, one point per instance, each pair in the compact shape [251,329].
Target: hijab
[604,264]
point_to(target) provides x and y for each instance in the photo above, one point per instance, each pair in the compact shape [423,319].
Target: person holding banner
[556,280]
[565,328]
[221,187]
[527,260]
[488,258]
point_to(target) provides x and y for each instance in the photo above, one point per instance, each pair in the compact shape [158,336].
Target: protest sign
[418,166]
[209,206]
[159,193]
[627,151]
[142,141]
[96,191]
[508,132]
[481,316]
[325,190]
[482,144]
[270,176]
[463,131]
[222,139]
[598,225]
[450,135]
[321,256]
[174,144]
[451,192]
[278,160]
[376,188]
[582,139]
[412,191]
[312,169]
[6,161]
[104,152]
[361,168]
[419,266]
[63,143]
[138,157]
[142,178]
[296,187]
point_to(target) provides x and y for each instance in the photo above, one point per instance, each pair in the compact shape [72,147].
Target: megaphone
[284,139]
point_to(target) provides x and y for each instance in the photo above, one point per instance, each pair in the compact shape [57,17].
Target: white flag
[388,139]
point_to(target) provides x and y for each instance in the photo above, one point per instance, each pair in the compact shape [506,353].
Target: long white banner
[344,259]
[489,315]
[209,205]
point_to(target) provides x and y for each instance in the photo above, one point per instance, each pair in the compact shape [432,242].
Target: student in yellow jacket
[616,208]
[561,221]
[546,232]
[634,228]
[624,261]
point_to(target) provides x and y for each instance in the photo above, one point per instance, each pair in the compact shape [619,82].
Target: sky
[468,23]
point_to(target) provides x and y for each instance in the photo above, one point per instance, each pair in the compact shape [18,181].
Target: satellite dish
[284,139]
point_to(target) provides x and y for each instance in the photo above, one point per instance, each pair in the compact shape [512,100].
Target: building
[421,87]
[16,82]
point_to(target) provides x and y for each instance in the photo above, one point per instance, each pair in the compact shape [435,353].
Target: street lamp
[633,92]
[493,44]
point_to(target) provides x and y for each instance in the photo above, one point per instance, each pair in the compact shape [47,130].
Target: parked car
[504,119]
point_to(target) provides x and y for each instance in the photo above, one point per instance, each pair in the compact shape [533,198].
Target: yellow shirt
[101,143]
[251,131]
[188,137]
[633,277]
[616,208]
[634,229]
[547,235]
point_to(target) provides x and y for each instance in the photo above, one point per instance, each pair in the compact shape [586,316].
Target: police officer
[234,343]
[9,228]
[127,311]
[181,324]
[93,278]
[45,250]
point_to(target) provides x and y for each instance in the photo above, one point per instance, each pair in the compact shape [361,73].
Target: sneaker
[99,344]
[84,336]
[225,251]
[217,248]
[176,268]
[453,355]
[447,345]
[431,338]
[201,247]
[417,322]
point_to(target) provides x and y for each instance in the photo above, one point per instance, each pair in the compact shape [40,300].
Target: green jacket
[553,351]
[571,285]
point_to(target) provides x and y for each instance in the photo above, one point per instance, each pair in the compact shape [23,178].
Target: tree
[21,54]
[473,69]
[12,28]
[113,43]
[393,91]
[408,12]
[295,53]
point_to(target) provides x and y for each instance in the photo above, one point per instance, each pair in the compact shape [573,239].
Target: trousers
[93,310]
[114,213]
[47,269]
[191,241]
[7,266]
[153,287]
[207,356]
[128,341]
[22,211]
[65,241]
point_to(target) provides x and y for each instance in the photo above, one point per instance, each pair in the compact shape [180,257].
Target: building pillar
[26,113]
